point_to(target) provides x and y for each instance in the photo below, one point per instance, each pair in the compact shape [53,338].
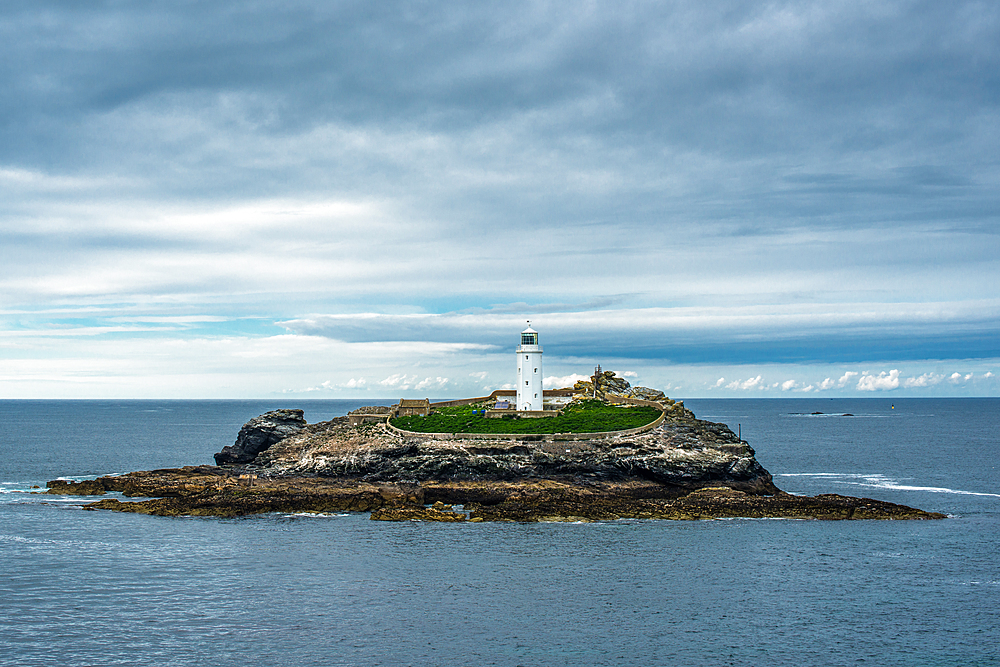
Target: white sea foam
[73,543]
[930,489]
[877,481]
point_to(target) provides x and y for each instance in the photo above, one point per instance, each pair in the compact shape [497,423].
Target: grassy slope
[581,417]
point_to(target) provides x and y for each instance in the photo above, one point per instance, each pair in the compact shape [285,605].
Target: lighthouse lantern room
[529,371]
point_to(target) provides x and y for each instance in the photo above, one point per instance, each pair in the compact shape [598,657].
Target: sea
[103,588]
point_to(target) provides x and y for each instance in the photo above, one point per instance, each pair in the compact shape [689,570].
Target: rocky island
[674,467]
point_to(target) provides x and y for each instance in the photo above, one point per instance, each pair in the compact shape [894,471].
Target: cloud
[828,383]
[719,382]
[788,385]
[846,378]
[480,375]
[558,382]
[924,380]
[398,380]
[404,382]
[324,386]
[988,374]
[244,167]
[881,382]
[750,383]
[328,385]
[432,383]
[703,334]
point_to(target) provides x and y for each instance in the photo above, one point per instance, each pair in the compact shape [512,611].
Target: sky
[355,199]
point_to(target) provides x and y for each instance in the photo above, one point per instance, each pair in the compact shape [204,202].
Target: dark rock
[62,487]
[416,513]
[207,491]
[705,503]
[260,433]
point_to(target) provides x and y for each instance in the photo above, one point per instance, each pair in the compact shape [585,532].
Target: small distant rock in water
[847,414]
[260,433]
[815,413]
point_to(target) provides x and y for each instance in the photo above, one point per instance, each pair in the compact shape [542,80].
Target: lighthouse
[529,371]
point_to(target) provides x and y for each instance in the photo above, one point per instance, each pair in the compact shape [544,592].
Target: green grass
[588,416]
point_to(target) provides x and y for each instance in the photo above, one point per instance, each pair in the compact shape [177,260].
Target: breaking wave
[877,481]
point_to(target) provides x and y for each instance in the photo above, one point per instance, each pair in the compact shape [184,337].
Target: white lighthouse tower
[529,371]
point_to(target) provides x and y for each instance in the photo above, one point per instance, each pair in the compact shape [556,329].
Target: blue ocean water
[99,588]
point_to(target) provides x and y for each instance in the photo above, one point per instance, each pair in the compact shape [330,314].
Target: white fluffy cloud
[924,380]
[881,382]
[788,385]
[845,378]
[558,382]
[397,380]
[404,382]
[750,383]
[432,383]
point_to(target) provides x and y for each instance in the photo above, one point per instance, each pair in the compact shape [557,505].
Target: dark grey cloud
[756,335]
[739,80]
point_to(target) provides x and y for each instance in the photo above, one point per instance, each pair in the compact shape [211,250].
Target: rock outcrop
[212,491]
[260,433]
[646,393]
[605,382]
[683,453]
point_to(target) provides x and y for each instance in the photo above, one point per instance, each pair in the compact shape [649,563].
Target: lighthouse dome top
[529,339]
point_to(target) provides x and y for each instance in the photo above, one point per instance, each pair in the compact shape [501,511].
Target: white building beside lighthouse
[529,371]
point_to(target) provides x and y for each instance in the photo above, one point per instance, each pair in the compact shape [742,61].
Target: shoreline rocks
[213,491]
